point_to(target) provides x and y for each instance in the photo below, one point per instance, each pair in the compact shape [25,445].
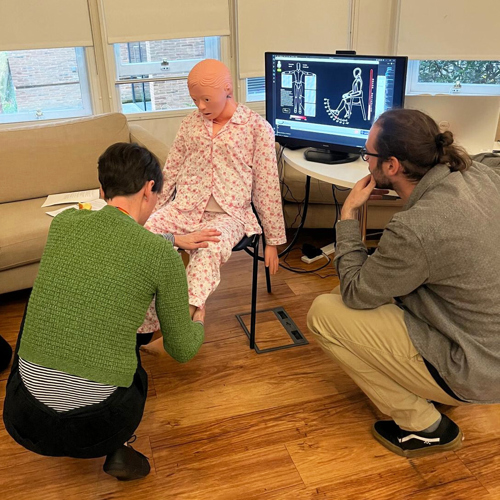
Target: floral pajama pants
[203,270]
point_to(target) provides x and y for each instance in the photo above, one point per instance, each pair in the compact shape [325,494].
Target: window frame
[216,46]
[414,87]
[85,89]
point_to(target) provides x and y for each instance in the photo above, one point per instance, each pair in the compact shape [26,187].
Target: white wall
[472,119]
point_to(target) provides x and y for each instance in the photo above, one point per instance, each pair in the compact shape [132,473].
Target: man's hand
[271,258]
[362,191]
[198,239]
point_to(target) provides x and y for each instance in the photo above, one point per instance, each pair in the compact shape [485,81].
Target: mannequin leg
[203,271]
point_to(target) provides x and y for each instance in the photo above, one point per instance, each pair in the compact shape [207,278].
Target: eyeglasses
[365,154]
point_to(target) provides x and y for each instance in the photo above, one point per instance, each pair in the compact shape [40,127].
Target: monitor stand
[328,156]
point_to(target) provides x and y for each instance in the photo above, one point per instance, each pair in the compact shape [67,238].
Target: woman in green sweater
[77,387]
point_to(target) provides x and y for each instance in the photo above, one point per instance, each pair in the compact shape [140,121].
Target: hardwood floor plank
[252,431]
[238,476]
[465,489]
[483,460]
[242,381]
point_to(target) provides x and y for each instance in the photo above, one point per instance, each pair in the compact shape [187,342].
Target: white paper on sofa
[96,205]
[75,197]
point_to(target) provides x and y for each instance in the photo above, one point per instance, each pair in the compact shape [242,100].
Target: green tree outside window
[8,102]
[465,72]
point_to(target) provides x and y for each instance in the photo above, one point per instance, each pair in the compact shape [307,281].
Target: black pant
[88,432]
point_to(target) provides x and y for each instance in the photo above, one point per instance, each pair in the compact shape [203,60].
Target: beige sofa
[42,159]
[321,209]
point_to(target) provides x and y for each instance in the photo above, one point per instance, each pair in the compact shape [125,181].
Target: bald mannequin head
[211,89]
[211,73]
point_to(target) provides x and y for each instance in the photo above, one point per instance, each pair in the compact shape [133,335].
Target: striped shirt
[59,390]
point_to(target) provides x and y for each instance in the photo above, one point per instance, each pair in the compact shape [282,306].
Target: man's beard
[381,181]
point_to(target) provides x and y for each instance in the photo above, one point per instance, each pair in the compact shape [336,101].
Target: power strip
[307,260]
[327,250]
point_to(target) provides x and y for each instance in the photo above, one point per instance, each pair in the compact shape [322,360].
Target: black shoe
[446,437]
[126,464]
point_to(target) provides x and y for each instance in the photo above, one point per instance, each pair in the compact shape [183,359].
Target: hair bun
[444,140]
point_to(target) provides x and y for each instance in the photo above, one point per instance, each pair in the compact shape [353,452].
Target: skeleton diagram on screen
[303,85]
[342,113]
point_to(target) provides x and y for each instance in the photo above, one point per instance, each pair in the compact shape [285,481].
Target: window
[454,77]
[43,84]
[256,89]
[152,75]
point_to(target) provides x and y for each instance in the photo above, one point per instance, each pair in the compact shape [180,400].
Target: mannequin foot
[154,348]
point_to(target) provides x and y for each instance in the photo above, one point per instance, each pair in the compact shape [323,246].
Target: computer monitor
[330,101]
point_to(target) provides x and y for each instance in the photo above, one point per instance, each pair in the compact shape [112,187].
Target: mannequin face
[209,100]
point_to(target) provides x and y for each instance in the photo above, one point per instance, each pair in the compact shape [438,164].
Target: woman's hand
[198,239]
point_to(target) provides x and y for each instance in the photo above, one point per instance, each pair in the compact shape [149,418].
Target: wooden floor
[232,424]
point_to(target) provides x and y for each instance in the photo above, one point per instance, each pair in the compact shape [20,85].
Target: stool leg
[268,274]
[253,311]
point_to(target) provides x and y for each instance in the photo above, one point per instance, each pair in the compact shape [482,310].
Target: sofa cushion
[42,159]
[24,226]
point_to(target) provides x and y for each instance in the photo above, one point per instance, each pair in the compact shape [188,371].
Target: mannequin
[223,158]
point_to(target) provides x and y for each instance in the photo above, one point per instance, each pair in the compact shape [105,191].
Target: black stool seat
[246,241]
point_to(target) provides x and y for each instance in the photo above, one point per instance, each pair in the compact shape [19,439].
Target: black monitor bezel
[294,143]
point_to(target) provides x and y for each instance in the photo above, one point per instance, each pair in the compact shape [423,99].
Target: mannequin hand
[271,258]
[362,191]
[198,239]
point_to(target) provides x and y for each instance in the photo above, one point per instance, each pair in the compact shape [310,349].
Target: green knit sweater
[98,275]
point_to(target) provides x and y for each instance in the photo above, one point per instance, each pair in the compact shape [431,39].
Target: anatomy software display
[330,101]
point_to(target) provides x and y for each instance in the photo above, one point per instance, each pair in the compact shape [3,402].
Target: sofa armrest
[142,137]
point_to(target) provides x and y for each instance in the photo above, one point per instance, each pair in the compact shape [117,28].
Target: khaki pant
[374,349]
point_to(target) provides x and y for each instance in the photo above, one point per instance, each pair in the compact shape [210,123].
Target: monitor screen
[330,101]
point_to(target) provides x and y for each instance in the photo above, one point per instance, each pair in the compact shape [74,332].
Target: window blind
[313,26]
[132,20]
[44,24]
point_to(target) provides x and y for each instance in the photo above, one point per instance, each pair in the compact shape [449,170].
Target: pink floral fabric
[203,271]
[237,166]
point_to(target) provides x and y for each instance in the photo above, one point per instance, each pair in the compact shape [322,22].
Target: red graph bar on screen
[370,96]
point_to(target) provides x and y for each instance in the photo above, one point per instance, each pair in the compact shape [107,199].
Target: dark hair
[415,140]
[124,169]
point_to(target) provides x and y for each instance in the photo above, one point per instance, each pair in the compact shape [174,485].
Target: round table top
[340,174]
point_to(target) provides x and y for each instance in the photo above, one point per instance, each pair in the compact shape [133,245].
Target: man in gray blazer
[418,321]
